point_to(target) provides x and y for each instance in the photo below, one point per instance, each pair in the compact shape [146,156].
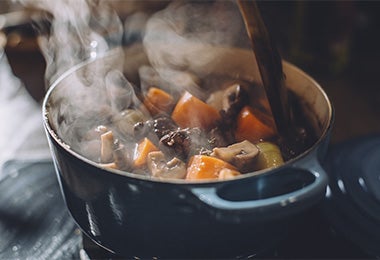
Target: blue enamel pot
[136,216]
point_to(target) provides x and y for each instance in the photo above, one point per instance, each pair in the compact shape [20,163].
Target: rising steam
[80,30]
[183,43]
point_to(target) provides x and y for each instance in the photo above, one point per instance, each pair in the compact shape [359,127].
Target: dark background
[336,42]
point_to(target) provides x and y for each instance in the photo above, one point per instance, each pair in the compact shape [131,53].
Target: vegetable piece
[142,150]
[193,112]
[269,156]
[161,168]
[126,120]
[226,174]
[253,126]
[206,167]
[157,101]
[243,155]
[107,147]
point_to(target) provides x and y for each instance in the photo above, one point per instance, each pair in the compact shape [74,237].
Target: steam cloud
[183,40]
[80,30]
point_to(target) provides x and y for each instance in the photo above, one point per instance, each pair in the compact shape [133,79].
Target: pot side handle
[307,194]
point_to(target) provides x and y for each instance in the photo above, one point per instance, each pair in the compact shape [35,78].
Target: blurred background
[337,42]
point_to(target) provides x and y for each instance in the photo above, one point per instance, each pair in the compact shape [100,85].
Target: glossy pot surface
[135,216]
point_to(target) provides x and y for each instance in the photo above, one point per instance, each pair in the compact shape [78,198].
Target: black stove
[35,224]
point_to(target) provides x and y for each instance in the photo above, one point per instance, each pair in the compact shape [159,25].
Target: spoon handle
[270,66]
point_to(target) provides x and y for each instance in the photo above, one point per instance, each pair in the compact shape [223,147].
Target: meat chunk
[158,127]
[234,98]
[183,143]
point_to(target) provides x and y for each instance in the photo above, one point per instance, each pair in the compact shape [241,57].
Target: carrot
[193,112]
[142,150]
[251,126]
[206,167]
[157,100]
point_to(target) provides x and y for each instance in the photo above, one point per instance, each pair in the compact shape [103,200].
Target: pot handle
[210,196]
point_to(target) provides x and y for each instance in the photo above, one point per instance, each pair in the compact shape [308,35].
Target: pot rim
[49,130]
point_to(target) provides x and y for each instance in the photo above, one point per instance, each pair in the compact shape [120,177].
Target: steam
[190,36]
[80,30]
[182,44]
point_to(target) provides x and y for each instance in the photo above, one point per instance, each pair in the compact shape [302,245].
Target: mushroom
[242,155]
[107,147]
[126,120]
[161,168]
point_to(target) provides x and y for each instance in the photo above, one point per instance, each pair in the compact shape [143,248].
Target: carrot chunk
[251,127]
[157,101]
[193,112]
[206,167]
[142,150]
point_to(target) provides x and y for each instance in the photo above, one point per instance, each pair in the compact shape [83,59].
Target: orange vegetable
[193,112]
[157,100]
[251,126]
[142,150]
[206,167]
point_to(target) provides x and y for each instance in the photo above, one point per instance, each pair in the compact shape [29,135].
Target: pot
[136,216]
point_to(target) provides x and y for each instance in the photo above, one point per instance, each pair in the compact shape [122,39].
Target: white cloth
[21,130]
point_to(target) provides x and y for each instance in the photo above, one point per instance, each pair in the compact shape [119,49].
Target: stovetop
[34,222]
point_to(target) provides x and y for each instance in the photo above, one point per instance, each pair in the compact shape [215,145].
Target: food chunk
[161,168]
[227,174]
[127,119]
[156,128]
[206,167]
[269,156]
[235,98]
[142,150]
[122,158]
[253,128]
[158,101]
[107,147]
[242,155]
[193,112]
